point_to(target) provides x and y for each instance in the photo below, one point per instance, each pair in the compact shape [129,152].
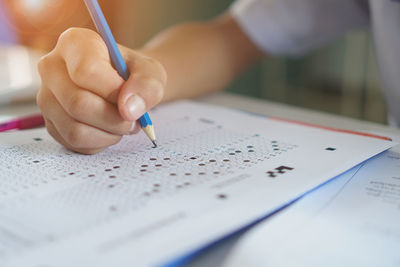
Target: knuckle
[77,104]
[76,137]
[156,88]
[84,72]
[150,61]
[158,68]
[44,65]
[152,90]
[39,99]
[158,92]
[162,72]
[80,34]
[72,34]
[53,133]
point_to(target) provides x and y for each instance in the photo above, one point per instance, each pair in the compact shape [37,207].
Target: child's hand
[86,104]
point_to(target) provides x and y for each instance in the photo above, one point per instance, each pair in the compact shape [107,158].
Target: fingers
[54,133]
[144,88]
[71,133]
[88,64]
[82,105]
[87,105]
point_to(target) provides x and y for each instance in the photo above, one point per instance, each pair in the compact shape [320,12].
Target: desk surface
[216,255]
[253,105]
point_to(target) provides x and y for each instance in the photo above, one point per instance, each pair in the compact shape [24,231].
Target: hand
[87,106]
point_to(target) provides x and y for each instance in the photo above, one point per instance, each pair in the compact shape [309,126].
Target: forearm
[201,57]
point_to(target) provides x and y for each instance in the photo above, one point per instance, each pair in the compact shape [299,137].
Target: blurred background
[340,78]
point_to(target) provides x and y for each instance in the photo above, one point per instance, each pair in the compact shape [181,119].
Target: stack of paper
[215,171]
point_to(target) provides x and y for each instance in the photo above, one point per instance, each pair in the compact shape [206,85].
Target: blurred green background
[339,78]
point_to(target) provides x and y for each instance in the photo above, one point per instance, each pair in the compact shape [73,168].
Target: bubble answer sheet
[351,221]
[216,171]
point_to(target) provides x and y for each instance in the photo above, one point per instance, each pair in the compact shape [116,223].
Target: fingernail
[134,128]
[135,106]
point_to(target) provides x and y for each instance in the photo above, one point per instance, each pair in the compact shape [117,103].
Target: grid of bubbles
[121,179]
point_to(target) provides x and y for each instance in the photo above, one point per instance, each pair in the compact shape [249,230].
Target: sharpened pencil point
[154,143]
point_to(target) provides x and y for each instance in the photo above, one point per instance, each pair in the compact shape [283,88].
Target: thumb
[143,90]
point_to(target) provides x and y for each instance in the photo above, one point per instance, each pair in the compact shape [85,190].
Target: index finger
[144,88]
[88,63]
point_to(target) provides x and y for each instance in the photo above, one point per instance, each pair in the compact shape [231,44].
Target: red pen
[23,123]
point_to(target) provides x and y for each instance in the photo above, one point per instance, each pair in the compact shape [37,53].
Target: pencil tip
[154,143]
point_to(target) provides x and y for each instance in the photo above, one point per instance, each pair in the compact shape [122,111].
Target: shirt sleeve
[293,27]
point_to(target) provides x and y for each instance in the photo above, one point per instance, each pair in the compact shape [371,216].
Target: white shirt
[294,27]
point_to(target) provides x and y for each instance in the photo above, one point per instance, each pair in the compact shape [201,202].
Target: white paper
[352,221]
[216,170]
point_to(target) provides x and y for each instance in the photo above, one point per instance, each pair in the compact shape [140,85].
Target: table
[216,255]
[253,105]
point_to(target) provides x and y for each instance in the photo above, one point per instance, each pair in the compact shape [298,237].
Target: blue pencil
[116,58]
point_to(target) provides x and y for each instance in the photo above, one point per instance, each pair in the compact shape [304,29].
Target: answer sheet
[216,170]
[351,221]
